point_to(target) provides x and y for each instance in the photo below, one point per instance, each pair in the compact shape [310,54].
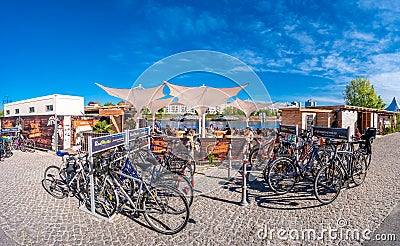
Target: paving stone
[30,216]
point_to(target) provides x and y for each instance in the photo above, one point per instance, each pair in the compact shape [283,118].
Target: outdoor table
[219,134]
[179,134]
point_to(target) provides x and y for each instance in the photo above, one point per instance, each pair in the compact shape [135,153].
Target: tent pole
[203,130]
[200,126]
[154,120]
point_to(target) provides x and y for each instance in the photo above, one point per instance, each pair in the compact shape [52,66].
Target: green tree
[361,93]
[102,127]
[109,104]
[1,112]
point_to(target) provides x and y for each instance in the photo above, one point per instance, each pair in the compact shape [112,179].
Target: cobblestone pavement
[30,216]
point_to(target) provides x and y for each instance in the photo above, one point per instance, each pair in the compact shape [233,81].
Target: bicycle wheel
[359,169]
[22,146]
[105,197]
[180,182]
[165,209]
[368,158]
[322,157]
[189,161]
[53,182]
[29,145]
[328,183]
[282,176]
[256,157]
[182,163]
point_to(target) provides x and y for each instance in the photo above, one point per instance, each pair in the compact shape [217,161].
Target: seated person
[357,134]
[211,131]
[249,136]
[228,131]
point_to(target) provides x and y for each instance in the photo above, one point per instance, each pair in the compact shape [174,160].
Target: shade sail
[139,97]
[248,106]
[203,97]
[156,105]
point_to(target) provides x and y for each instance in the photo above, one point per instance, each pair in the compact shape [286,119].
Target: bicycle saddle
[66,152]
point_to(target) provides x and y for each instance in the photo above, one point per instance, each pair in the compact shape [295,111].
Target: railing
[85,136]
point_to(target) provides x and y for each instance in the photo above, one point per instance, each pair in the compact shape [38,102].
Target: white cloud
[387,85]
[359,35]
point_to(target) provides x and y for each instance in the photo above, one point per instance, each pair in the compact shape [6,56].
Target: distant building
[177,108]
[48,120]
[310,103]
[347,116]
[46,105]
[296,104]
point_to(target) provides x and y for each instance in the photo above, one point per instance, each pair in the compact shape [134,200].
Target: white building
[177,108]
[47,105]
[45,118]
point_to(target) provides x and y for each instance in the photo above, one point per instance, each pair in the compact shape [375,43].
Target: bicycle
[5,148]
[283,173]
[267,150]
[23,144]
[164,208]
[180,162]
[345,166]
[72,178]
[156,172]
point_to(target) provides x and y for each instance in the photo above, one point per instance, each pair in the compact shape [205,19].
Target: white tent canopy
[248,106]
[156,105]
[139,97]
[203,97]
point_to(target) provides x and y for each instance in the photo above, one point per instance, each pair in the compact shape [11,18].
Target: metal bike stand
[92,210]
[230,163]
[244,202]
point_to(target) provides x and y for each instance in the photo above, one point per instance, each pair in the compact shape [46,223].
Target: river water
[220,124]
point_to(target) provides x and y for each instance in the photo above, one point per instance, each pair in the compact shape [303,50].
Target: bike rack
[328,132]
[103,143]
[292,130]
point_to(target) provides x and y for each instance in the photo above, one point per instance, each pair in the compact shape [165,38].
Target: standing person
[335,123]
[249,134]
[228,130]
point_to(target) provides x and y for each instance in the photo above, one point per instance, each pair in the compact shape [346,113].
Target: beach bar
[346,116]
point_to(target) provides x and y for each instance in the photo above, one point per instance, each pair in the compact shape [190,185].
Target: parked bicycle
[5,148]
[19,142]
[179,162]
[346,167]
[283,173]
[164,208]
[71,178]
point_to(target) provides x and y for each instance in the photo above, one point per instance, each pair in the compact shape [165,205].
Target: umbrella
[248,107]
[203,97]
[139,97]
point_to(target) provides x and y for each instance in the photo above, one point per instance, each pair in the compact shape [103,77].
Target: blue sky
[299,49]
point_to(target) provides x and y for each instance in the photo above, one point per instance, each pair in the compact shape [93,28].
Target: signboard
[288,129]
[327,132]
[138,133]
[107,142]
[8,130]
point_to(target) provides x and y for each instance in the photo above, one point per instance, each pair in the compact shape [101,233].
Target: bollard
[244,185]
[230,162]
